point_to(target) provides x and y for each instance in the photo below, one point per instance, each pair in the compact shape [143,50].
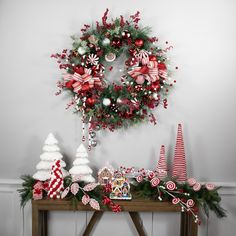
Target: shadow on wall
[30,160]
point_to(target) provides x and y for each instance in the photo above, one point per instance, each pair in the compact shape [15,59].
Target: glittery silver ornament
[93,143]
[98,127]
[93,134]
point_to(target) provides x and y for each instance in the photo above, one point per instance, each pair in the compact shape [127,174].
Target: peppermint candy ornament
[139,178]
[170,185]
[210,186]
[154,182]
[196,187]
[175,200]
[190,203]
[191,181]
[93,59]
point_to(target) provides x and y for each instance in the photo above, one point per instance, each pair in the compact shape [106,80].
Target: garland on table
[142,87]
[190,195]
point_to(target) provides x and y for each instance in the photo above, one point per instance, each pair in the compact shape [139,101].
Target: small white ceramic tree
[80,168]
[51,152]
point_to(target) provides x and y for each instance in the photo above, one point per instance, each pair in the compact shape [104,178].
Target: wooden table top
[135,205]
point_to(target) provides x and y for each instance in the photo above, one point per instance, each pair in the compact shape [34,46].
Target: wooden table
[40,209]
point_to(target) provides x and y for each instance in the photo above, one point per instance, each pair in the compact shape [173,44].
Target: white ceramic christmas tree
[51,152]
[80,168]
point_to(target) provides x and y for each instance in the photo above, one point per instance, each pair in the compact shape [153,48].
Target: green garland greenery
[204,199]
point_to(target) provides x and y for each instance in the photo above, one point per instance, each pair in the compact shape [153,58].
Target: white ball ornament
[140,79]
[106,41]
[119,100]
[155,96]
[106,102]
[81,50]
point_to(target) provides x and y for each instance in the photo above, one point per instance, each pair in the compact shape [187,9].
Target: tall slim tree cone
[179,164]
[80,168]
[161,168]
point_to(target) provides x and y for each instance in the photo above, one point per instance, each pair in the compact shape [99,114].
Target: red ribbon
[150,72]
[82,82]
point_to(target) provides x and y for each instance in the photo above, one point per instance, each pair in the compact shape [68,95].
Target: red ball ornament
[70,83]
[79,70]
[90,101]
[155,86]
[161,66]
[152,58]
[139,43]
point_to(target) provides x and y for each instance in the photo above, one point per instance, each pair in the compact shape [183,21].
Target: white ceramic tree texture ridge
[80,168]
[51,152]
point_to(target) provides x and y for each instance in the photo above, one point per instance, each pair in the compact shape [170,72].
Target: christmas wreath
[144,82]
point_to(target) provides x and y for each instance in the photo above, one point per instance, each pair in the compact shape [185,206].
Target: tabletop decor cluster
[104,104]
[123,184]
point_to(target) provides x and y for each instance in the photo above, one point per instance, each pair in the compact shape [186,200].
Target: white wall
[203,34]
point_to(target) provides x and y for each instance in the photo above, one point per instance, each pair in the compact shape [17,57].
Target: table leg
[96,216]
[44,217]
[188,227]
[35,220]
[193,226]
[138,223]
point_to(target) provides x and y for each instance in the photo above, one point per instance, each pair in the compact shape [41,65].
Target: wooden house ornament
[120,188]
[105,175]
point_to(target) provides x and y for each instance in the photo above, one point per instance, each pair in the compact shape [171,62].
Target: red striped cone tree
[162,165]
[179,164]
[56,181]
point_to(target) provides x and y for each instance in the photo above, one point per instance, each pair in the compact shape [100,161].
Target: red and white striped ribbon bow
[142,56]
[149,72]
[83,82]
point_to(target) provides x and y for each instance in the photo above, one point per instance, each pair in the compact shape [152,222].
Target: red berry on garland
[139,43]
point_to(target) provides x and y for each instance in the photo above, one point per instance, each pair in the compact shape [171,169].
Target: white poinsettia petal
[65,192]
[94,204]
[90,187]
[74,188]
[85,199]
